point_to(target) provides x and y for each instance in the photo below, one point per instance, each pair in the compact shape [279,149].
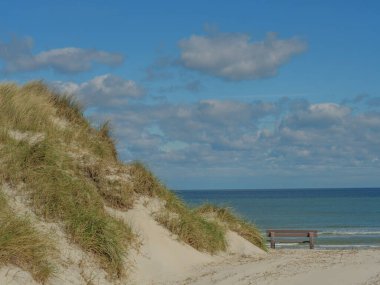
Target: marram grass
[23,246]
[190,227]
[234,223]
[58,186]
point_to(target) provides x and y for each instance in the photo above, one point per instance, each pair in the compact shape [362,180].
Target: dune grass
[193,226]
[190,227]
[116,193]
[24,246]
[194,230]
[233,223]
[60,189]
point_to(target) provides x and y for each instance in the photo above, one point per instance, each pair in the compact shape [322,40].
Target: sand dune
[161,258]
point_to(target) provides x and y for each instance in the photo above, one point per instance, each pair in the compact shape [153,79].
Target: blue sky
[215,94]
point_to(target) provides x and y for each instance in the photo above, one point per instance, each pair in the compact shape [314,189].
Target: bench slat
[290,233]
[276,234]
[290,241]
[281,235]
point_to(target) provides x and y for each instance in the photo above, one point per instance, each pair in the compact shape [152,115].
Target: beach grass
[22,245]
[176,216]
[35,154]
[234,223]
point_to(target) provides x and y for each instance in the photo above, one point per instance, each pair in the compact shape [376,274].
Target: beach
[163,260]
[292,267]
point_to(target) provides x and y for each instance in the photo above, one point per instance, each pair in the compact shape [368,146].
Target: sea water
[344,218]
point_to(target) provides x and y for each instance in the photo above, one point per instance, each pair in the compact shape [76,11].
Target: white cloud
[322,116]
[17,56]
[235,57]
[260,138]
[214,137]
[103,90]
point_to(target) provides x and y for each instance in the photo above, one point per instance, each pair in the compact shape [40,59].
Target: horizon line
[255,189]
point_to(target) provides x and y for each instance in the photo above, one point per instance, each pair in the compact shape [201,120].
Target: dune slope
[72,213]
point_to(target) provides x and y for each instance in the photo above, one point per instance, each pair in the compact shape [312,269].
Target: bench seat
[289,236]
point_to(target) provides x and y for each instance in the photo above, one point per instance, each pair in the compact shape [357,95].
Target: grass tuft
[23,246]
[105,133]
[188,225]
[194,230]
[144,182]
[234,223]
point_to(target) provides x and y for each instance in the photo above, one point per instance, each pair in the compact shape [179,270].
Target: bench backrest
[292,233]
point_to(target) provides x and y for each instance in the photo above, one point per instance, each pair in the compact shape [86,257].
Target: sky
[215,94]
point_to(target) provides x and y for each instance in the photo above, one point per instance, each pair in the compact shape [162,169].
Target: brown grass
[24,246]
[234,223]
[59,187]
[190,227]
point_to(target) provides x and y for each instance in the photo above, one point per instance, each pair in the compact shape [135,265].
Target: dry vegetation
[234,223]
[22,245]
[70,170]
[190,227]
[62,187]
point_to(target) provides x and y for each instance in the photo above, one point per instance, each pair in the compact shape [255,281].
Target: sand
[158,257]
[293,267]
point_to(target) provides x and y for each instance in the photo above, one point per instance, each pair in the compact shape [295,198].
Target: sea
[344,218]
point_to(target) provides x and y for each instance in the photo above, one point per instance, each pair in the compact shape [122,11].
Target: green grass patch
[24,246]
[188,225]
[59,192]
[60,185]
[234,223]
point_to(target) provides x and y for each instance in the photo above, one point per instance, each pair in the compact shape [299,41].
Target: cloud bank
[233,56]
[221,139]
[18,56]
[104,90]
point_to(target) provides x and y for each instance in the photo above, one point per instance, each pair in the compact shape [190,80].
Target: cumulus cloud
[103,90]
[233,56]
[214,138]
[18,56]
[320,115]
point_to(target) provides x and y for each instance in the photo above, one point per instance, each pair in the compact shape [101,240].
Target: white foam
[348,233]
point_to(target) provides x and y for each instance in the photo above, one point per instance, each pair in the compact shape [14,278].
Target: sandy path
[293,267]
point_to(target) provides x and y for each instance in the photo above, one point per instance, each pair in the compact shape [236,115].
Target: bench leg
[311,241]
[272,241]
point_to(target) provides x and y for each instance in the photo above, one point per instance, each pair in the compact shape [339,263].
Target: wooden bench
[289,235]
